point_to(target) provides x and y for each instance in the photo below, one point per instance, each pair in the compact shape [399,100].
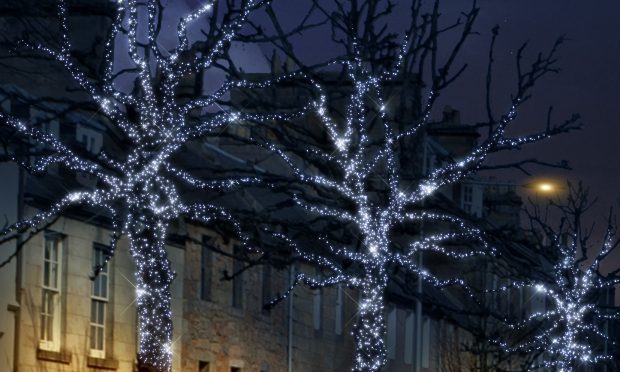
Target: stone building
[228,329]
[53,317]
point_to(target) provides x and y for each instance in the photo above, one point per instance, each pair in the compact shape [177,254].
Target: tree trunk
[370,353]
[153,275]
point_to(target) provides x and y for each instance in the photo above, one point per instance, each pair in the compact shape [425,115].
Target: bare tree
[570,331]
[139,187]
[357,165]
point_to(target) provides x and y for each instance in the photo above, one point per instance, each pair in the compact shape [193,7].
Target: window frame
[391,333]
[53,342]
[100,301]
[467,198]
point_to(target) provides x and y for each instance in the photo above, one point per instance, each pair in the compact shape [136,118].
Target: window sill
[54,356]
[102,363]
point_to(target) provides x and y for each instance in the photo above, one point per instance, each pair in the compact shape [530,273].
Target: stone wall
[249,338]
[75,298]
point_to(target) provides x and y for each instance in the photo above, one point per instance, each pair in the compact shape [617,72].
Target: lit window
[50,300]
[99,302]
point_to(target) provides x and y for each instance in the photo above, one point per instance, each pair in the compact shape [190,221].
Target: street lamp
[546,187]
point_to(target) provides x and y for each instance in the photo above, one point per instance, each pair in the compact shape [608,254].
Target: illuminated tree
[357,169]
[141,189]
[572,326]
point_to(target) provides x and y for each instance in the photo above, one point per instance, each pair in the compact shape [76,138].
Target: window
[537,302]
[266,287]
[237,290]
[98,304]
[90,139]
[317,299]
[467,198]
[426,340]
[51,289]
[204,366]
[206,262]
[391,334]
[235,369]
[339,310]
[409,337]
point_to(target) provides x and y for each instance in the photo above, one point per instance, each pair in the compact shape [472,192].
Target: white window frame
[99,300]
[46,342]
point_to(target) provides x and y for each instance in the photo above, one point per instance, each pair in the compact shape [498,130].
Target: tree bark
[369,332]
[154,276]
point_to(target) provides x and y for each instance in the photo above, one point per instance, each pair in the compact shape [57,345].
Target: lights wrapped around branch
[363,182]
[360,155]
[567,332]
[141,189]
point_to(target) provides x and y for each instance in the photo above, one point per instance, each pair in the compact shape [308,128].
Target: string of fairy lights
[569,327]
[140,190]
[354,153]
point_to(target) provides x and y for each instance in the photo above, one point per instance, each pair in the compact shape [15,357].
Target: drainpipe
[18,272]
[418,321]
[289,351]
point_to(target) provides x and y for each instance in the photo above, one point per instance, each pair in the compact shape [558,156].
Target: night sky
[588,83]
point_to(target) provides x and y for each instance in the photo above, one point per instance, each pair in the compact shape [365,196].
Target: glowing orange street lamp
[545,187]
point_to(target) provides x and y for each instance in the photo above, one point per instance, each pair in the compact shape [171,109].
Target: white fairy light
[374,218]
[141,190]
[566,331]
[140,292]
[363,152]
